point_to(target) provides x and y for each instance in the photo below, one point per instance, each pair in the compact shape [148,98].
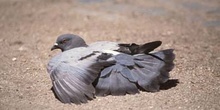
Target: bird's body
[76,54]
[104,68]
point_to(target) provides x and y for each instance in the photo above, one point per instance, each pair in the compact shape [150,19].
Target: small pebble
[167,33]
[14,59]
[22,48]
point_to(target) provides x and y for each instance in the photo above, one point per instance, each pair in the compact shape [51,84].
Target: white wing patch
[111,52]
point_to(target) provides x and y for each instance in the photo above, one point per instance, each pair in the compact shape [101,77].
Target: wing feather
[143,71]
[73,84]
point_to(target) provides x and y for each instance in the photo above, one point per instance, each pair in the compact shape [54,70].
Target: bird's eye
[63,41]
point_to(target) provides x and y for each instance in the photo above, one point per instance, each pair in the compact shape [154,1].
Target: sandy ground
[28,28]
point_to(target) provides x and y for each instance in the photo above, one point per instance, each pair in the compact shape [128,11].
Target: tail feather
[115,83]
[167,56]
[102,87]
[147,79]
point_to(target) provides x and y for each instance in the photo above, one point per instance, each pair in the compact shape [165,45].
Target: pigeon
[81,71]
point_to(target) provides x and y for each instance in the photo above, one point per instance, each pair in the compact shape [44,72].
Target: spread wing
[134,70]
[73,83]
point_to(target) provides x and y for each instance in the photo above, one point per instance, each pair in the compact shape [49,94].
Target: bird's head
[68,41]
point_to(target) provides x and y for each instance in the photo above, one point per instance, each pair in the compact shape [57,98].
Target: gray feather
[124,59]
[126,72]
[70,85]
[102,88]
[106,71]
[115,80]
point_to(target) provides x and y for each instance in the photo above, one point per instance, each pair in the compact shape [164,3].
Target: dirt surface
[28,29]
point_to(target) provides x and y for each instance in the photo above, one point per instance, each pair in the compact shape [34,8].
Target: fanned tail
[140,71]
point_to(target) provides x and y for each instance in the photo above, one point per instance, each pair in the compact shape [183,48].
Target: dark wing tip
[150,46]
[137,49]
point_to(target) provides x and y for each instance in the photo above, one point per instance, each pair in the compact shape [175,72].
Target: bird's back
[79,55]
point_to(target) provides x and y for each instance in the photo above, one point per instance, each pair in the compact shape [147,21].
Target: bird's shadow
[165,86]
[54,93]
[169,84]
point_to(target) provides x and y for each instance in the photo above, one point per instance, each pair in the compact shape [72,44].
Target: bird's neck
[74,46]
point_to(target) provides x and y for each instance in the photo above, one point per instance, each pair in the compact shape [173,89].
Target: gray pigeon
[103,68]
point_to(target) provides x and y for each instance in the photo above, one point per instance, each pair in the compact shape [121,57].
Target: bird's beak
[55,46]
